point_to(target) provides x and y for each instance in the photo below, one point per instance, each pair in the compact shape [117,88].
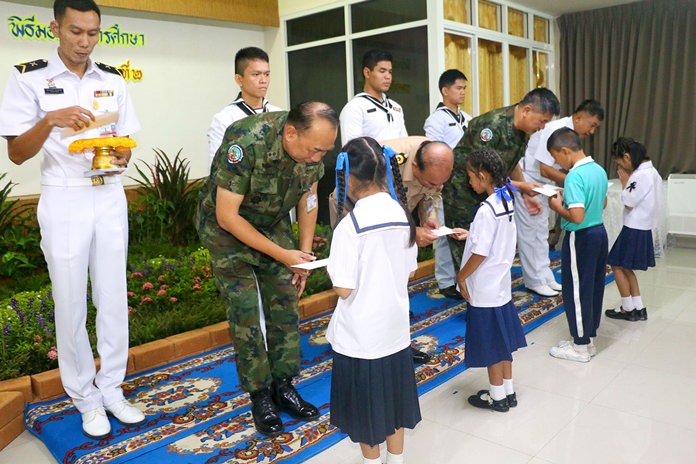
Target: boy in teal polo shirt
[585,246]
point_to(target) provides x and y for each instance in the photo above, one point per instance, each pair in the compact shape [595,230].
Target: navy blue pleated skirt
[633,249]
[492,335]
[372,398]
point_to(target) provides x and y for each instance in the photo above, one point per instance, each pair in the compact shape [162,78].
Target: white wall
[188,70]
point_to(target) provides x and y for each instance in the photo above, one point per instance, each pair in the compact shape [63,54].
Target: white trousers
[445,273]
[533,242]
[86,228]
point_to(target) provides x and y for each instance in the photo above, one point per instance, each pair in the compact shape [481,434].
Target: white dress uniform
[533,231]
[365,116]
[444,125]
[238,109]
[83,226]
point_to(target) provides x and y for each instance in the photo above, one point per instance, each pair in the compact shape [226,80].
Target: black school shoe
[451,293]
[290,401]
[512,400]
[483,400]
[641,314]
[419,357]
[624,315]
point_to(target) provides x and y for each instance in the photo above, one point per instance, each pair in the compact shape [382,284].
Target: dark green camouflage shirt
[495,130]
[251,161]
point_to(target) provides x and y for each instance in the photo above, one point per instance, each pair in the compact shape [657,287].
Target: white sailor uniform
[366,116]
[533,231]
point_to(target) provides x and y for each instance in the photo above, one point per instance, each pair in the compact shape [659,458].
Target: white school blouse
[643,193]
[370,254]
[492,234]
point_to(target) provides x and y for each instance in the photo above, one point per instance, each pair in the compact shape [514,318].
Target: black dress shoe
[290,401]
[452,293]
[483,400]
[419,357]
[512,400]
[265,413]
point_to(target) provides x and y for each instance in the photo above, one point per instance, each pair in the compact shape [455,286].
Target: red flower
[161,293]
[161,278]
[173,299]
[148,286]
[137,274]
[146,299]
[131,294]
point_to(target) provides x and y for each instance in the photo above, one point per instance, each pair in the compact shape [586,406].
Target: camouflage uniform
[495,130]
[251,162]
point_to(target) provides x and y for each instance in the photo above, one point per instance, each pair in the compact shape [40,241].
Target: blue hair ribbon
[389,154]
[341,164]
[503,193]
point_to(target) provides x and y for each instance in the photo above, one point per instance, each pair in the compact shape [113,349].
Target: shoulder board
[107,68]
[31,66]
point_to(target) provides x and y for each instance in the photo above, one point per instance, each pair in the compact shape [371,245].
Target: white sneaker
[553,285]
[126,413]
[95,424]
[592,349]
[565,350]
[544,290]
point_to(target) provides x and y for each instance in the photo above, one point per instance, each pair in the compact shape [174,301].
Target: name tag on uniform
[372,110]
[311,202]
[53,91]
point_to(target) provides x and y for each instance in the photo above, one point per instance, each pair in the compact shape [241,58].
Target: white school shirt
[233,112]
[444,125]
[643,193]
[370,254]
[492,234]
[50,86]
[537,153]
[365,116]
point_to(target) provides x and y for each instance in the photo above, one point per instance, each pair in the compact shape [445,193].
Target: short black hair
[564,137]
[449,77]
[592,107]
[303,115]
[244,55]
[542,100]
[59,7]
[634,148]
[374,56]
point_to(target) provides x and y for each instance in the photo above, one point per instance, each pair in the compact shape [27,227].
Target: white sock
[395,458]
[627,304]
[497,392]
[580,348]
[372,461]
[507,384]
[638,302]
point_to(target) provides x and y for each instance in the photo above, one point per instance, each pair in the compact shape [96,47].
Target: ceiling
[559,7]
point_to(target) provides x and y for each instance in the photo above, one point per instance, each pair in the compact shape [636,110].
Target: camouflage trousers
[258,363]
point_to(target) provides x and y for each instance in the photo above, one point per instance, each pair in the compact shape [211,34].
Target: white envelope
[442,231]
[312,264]
[548,190]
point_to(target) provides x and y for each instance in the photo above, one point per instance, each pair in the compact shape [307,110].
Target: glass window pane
[519,73]
[490,62]
[380,13]
[517,22]
[329,85]
[410,86]
[458,56]
[458,10]
[489,15]
[318,26]
[541,29]
[540,69]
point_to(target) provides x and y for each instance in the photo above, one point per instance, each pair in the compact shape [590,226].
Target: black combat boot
[265,412]
[288,400]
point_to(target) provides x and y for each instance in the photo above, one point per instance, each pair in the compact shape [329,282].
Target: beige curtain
[639,61]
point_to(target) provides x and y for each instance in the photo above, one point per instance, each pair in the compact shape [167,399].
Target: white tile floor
[629,405]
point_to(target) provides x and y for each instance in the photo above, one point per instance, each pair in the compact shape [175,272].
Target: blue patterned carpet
[196,412]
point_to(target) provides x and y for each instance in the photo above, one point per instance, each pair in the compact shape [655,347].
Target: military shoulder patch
[401,158]
[486,135]
[31,66]
[235,154]
[109,69]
